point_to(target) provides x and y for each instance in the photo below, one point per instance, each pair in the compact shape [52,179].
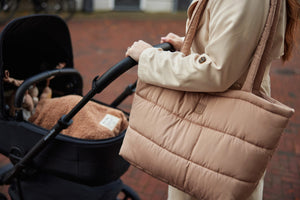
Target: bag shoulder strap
[262,53]
[194,21]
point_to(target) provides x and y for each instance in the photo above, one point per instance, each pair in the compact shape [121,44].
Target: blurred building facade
[139,5]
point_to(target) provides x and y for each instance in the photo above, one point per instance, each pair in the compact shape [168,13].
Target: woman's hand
[136,49]
[173,39]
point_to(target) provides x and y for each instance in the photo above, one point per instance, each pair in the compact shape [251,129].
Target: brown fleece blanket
[93,121]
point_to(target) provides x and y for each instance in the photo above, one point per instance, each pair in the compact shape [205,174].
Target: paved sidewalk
[99,41]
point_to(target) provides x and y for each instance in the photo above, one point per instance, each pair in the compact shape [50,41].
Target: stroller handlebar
[39,77]
[114,72]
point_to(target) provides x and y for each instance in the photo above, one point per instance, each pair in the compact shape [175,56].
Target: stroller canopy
[32,44]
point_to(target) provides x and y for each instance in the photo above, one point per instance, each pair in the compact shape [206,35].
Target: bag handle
[262,53]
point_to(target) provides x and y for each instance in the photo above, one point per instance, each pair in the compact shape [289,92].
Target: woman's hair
[293,14]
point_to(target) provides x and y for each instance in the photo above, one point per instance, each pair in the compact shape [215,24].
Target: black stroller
[45,164]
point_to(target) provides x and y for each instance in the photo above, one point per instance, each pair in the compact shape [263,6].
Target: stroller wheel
[127,193]
[2,197]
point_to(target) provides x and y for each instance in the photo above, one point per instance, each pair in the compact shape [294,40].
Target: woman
[222,50]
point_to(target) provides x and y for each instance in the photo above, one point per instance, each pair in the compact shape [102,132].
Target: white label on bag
[109,121]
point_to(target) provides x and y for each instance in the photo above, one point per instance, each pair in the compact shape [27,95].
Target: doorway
[129,5]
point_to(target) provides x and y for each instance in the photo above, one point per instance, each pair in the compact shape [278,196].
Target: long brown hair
[293,14]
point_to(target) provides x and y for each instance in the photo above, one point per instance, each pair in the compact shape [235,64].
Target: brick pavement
[99,42]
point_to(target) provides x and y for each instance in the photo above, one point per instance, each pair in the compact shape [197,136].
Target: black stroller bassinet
[67,167]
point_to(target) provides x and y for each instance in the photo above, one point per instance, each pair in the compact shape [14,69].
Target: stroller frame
[11,174]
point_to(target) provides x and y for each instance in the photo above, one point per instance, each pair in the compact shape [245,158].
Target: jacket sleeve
[234,28]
